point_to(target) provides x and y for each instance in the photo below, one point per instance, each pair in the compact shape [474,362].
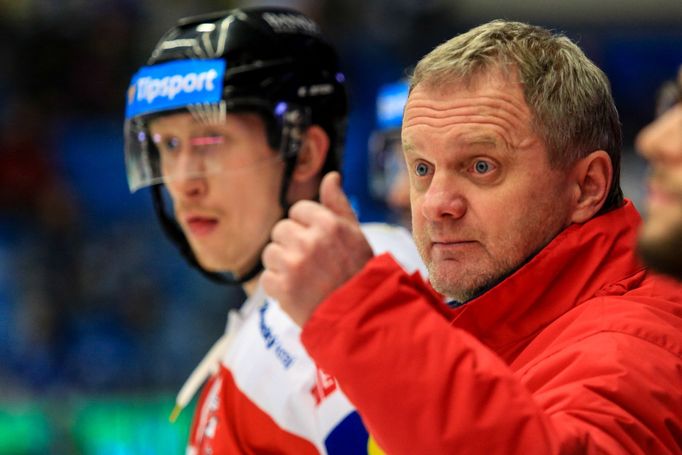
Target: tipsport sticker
[175,84]
[390,104]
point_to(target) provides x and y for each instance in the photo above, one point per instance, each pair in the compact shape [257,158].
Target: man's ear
[312,155]
[591,177]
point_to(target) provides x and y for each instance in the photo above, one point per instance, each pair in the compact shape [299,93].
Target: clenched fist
[314,251]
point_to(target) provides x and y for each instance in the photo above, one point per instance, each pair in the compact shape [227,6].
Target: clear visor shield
[178,125]
[387,164]
[203,142]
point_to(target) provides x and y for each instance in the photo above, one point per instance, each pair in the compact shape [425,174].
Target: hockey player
[236,116]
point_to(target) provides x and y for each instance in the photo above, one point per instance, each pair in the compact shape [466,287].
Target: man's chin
[215,264]
[462,290]
[662,250]
[464,287]
[212,267]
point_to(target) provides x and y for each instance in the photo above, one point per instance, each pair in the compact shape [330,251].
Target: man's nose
[193,186]
[662,139]
[444,198]
[188,175]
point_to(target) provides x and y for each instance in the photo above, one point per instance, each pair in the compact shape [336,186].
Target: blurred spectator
[660,241]
[39,218]
[389,180]
[29,185]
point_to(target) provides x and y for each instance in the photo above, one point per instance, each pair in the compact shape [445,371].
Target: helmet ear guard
[294,125]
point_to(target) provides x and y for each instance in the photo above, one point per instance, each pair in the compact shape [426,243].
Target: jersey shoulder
[396,240]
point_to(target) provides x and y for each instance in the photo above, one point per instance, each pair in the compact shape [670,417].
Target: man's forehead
[498,108]
[494,76]
[486,98]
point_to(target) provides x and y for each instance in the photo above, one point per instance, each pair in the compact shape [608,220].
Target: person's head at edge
[660,239]
[511,135]
[388,176]
[232,167]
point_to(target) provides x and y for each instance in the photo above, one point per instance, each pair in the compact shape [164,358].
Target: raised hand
[314,251]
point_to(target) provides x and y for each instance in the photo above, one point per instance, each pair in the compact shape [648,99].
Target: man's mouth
[659,195]
[451,246]
[201,226]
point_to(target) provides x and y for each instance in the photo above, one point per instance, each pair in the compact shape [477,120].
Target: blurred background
[100,320]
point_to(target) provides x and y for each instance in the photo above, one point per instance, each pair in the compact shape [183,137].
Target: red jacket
[579,351]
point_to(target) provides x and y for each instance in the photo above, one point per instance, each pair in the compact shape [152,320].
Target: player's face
[484,197]
[660,241]
[224,181]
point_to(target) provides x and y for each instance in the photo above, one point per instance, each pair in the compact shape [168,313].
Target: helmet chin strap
[292,137]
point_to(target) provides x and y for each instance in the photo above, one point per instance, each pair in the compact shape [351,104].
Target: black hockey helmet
[269,61]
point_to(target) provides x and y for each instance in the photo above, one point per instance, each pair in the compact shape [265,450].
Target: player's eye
[421,169]
[166,143]
[481,167]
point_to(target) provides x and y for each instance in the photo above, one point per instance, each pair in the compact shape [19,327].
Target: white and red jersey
[268,396]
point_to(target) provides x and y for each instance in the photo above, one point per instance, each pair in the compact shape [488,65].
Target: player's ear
[591,177]
[312,155]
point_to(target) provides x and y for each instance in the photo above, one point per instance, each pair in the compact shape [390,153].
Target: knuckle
[328,222]
[299,210]
[277,230]
[280,230]
[296,262]
[268,255]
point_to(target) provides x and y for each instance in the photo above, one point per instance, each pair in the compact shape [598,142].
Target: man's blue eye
[172,143]
[166,144]
[482,167]
[421,169]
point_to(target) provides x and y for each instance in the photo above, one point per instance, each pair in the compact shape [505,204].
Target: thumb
[333,197]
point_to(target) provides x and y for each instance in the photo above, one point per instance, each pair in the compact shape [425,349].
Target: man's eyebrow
[483,140]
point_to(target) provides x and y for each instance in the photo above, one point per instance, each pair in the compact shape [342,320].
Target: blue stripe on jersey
[349,437]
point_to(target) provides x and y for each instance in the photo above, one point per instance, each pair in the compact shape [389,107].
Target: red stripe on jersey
[226,421]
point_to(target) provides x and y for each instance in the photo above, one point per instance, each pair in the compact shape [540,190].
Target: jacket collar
[583,261]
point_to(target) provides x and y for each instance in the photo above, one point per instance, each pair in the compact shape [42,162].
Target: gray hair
[569,97]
